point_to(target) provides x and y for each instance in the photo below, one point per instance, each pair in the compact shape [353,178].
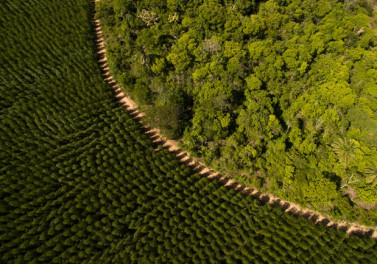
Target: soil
[201,168]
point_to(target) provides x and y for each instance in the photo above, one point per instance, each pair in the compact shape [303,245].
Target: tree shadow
[118,93]
[343,228]
[105,75]
[101,54]
[98,41]
[324,221]
[361,233]
[180,154]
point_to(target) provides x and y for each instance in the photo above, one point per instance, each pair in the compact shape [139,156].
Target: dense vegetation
[80,183]
[281,94]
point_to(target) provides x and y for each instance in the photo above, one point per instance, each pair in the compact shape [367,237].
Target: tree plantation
[279,94]
[81,182]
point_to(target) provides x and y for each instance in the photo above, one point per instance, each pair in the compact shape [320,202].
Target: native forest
[278,96]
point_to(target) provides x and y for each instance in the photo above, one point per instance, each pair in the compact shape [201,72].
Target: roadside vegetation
[279,94]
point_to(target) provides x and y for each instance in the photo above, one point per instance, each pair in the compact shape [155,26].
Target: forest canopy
[281,94]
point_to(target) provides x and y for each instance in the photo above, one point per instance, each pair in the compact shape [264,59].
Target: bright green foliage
[265,91]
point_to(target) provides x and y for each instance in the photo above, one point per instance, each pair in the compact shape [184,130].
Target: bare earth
[199,167]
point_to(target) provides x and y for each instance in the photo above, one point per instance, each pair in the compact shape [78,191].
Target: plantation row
[82,184]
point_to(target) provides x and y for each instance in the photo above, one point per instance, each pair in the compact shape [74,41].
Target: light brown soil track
[199,167]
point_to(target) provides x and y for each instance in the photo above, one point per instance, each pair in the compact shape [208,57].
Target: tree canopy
[281,94]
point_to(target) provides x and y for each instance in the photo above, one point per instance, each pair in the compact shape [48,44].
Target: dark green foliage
[80,182]
[279,94]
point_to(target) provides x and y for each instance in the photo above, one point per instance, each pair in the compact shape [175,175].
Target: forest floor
[199,167]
